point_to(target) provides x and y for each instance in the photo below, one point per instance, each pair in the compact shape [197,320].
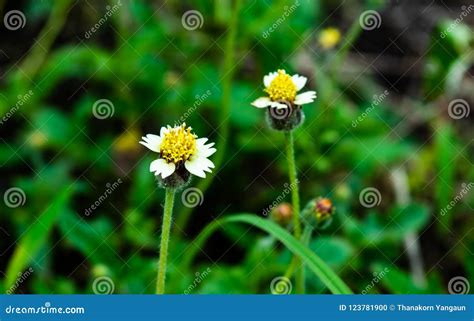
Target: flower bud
[282,214]
[178,180]
[319,212]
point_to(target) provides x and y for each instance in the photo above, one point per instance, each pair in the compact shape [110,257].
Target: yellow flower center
[282,88]
[178,145]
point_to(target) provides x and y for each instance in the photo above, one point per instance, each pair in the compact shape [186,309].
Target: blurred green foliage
[153,71]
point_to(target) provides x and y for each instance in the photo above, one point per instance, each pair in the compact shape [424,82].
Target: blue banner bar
[238,307]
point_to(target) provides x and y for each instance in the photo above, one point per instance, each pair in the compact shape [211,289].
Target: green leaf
[314,262]
[446,156]
[90,238]
[35,237]
[400,282]
[332,250]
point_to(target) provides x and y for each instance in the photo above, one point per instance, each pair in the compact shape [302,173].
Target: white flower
[282,89]
[178,147]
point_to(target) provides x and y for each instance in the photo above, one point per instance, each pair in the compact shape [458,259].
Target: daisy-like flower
[180,152]
[282,91]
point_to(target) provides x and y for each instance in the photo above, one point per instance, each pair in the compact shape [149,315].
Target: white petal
[305,98]
[160,166]
[201,141]
[152,142]
[168,170]
[206,164]
[195,167]
[262,102]
[164,130]
[205,151]
[299,81]
[267,80]
[278,105]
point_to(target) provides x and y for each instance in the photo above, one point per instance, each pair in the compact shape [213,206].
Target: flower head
[180,152]
[282,91]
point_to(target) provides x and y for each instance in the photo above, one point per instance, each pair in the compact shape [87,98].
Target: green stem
[40,50]
[295,199]
[305,239]
[165,235]
[224,116]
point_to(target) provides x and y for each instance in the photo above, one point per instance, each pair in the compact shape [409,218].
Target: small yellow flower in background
[329,38]
[127,141]
[282,91]
[179,149]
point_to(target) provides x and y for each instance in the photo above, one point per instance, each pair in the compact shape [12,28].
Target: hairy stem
[295,199]
[165,235]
